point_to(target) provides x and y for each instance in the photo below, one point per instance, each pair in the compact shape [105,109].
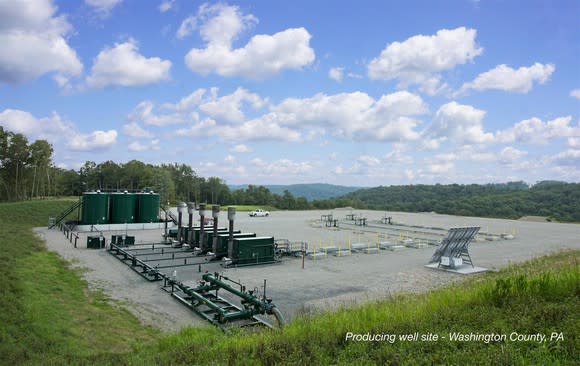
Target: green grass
[49,316]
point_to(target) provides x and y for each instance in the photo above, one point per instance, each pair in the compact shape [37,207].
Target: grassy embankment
[50,317]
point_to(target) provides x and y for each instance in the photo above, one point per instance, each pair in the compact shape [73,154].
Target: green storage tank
[123,208]
[147,207]
[95,208]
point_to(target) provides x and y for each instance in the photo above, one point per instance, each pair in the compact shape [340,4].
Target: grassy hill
[49,316]
[310,191]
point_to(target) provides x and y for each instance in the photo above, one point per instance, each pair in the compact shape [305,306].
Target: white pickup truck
[259,213]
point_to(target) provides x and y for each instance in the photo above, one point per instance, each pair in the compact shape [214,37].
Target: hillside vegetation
[310,191]
[556,200]
[49,316]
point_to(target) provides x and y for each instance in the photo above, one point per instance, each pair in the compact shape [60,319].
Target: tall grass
[47,314]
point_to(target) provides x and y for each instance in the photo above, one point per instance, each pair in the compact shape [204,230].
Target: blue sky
[358,93]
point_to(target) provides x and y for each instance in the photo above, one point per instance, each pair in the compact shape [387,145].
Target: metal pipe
[180,209]
[231,217]
[201,226]
[215,213]
[190,211]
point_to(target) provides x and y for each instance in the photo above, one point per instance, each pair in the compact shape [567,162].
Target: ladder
[65,213]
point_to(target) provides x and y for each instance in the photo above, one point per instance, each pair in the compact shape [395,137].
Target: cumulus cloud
[96,140]
[240,149]
[420,59]
[55,130]
[133,129]
[459,124]
[533,130]
[200,128]
[49,128]
[355,115]
[336,73]
[349,115]
[123,65]
[33,40]
[103,7]
[137,146]
[283,167]
[510,155]
[228,108]
[186,27]
[258,129]
[220,25]
[575,93]
[568,158]
[166,5]
[503,77]
[144,112]
[369,160]
[574,142]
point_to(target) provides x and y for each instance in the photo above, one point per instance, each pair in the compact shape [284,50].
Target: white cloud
[144,113]
[441,168]
[419,59]
[166,5]
[510,155]
[336,73]
[459,124]
[133,129]
[354,115]
[103,7]
[230,159]
[56,131]
[240,149]
[187,103]
[568,158]
[533,130]
[49,128]
[34,43]
[349,115]
[283,167]
[503,77]
[222,24]
[137,146]
[574,142]
[575,93]
[187,27]
[96,140]
[228,108]
[369,160]
[201,128]
[258,129]
[123,65]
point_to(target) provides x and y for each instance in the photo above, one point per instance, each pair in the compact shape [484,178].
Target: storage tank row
[119,208]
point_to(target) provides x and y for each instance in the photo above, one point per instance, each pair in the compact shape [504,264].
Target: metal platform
[453,252]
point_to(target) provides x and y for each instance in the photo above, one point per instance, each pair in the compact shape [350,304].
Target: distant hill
[554,200]
[310,191]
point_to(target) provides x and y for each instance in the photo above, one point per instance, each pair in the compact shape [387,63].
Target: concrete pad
[395,248]
[342,253]
[464,269]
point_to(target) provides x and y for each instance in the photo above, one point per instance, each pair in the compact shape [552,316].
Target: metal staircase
[65,213]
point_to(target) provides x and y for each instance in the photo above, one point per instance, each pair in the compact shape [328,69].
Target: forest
[27,172]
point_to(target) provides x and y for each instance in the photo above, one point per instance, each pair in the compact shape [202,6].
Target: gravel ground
[323,283]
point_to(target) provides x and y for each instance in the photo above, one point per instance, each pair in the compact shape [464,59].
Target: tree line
[555,200]
[27,171]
